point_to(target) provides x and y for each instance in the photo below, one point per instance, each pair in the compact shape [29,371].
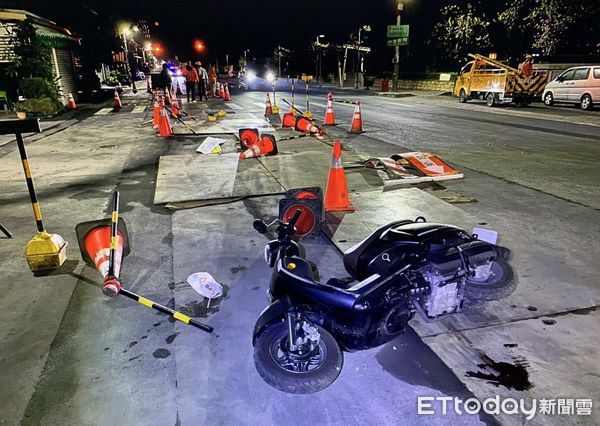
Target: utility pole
[399,9]
[279,60]
[127,64]
[358,57]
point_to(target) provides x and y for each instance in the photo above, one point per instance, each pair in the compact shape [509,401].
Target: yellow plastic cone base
[212,118]
[308,115]
[275,109]
[46,251]
[221,113]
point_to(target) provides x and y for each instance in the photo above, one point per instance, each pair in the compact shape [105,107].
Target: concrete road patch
[561,361]
[206,177]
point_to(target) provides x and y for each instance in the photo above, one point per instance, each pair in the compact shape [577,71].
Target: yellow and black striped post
[37,212]
[114,220]
[174,314]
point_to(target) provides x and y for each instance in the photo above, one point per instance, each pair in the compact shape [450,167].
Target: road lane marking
[103,111]
[138,109]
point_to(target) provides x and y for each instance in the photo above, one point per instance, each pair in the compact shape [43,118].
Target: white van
[577,85]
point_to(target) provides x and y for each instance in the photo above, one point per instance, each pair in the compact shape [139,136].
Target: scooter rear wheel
[277,369]
[498,285]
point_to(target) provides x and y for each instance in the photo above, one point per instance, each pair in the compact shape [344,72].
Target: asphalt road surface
[74,357]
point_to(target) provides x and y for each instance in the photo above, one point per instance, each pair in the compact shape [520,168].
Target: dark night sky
[234,25]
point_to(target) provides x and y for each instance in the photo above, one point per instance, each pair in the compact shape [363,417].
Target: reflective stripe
[181,317]
[115,216]
[27,169]
[146,302]
[113,243]
[37,211]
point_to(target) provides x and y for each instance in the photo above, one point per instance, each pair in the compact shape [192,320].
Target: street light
[399,8]
[359,58]
[319,55]
[127,31]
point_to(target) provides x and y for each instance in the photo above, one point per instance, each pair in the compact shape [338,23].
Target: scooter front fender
[272,312]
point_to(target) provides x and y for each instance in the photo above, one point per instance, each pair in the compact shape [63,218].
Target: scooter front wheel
[292,373]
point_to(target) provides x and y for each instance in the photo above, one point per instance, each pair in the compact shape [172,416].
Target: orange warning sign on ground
[428,164]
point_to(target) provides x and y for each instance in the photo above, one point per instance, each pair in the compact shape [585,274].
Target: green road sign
[398,31]
[397,42]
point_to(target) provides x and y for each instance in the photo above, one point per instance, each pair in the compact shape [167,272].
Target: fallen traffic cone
[266,146]
[303,124]
[336,193]
[356,126]
[164,124]
[329,115]
[248,137]
[95,243]
[178,92]
[288,121]
[117,104]
[227,96]
[268,108]
[71,104]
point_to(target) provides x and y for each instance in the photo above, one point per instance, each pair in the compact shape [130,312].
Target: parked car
[578,85]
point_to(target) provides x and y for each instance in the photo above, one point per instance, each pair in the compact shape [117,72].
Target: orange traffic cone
[356,120]
[248,137]
[268,107]
[218,90]
[303,124]
[148,88]
[175,107]
[227,96]
[156,112]
[266,146]
[336,193]
[288,121]
[164,124]
[71,104]
[118,104]
[96,243]
[329,115]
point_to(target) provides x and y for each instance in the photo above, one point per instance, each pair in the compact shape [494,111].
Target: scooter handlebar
[295,218]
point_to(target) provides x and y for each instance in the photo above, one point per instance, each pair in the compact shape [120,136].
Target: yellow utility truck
[487,79]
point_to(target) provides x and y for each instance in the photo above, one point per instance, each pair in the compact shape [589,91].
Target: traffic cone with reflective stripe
[175,107]
[117,101]
[329,115]
[288,121]
[178,91]
[218,90]
[266,146]
[268,107]
[249,137]
[164,124]
[227,96]
[356,126]
[97,243]
[156,111]
[303,124]
[336,193]
[71,104]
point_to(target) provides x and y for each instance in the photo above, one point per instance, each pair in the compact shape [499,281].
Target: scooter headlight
[268,255]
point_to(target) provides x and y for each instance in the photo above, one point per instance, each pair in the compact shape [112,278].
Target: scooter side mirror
[260,226]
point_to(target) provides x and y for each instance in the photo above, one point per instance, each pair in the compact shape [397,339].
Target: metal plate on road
[398,31]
